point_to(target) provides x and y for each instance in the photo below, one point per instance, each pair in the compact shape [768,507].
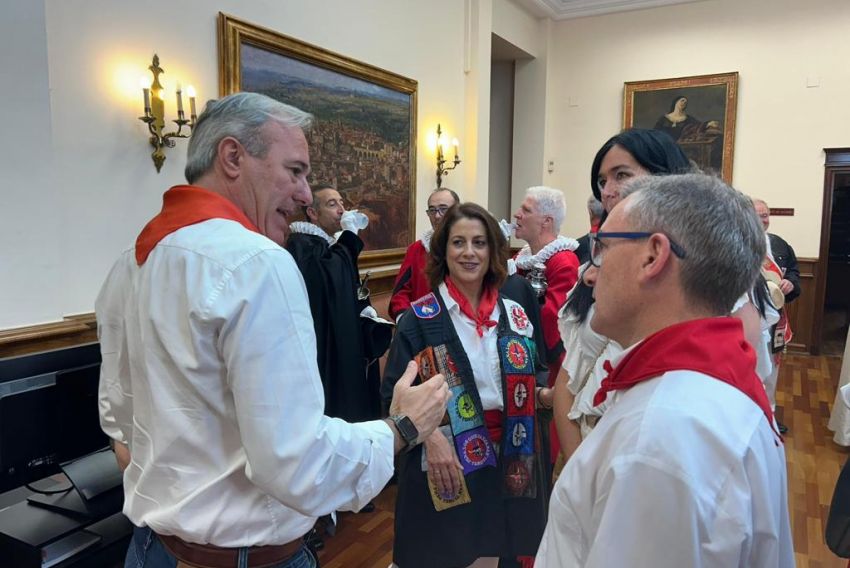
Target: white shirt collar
[447,298]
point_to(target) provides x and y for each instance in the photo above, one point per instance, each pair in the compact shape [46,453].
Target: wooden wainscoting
[72,330]
[801,312]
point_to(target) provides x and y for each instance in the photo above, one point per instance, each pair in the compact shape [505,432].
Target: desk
[25,529]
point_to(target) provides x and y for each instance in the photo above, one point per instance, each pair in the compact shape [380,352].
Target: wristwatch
[406,428]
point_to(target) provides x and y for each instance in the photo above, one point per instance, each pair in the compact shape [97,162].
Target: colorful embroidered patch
[518,318]
[462,412]
[426,307]
[442,501]
[519,435]
[427,366]
[475,450]
[519,477]
[520,396]
[515,356]
[446,366]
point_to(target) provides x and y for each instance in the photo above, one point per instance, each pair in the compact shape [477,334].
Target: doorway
[503,79]
[833,297]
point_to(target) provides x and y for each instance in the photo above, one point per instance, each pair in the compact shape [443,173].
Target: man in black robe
[348,369]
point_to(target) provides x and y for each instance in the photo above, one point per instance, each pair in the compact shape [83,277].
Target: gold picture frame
[364,139]
[708,140]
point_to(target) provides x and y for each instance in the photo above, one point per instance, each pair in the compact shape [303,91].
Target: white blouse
[586,353]
[483,352]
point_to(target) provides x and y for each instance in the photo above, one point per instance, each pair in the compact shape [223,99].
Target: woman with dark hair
[631,154]
[636,151]
[474,491]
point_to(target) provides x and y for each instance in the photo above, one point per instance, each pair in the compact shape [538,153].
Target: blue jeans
[147,551]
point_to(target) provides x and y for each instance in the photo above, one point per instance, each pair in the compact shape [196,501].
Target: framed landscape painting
[697,112]
[364,138]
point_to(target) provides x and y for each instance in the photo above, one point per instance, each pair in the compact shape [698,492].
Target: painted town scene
[360,142]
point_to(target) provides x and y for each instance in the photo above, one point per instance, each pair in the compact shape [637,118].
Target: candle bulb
[179,100]
[455,143]
[146,92]
[190,90]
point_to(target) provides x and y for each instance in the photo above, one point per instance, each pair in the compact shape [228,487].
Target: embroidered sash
[465,415]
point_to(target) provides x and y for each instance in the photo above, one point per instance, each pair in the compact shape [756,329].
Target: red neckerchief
[485,305]
[712,346]
[185,205]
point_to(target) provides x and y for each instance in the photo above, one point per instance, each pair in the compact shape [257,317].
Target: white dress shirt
[683,471]
[209,375]
[483,352]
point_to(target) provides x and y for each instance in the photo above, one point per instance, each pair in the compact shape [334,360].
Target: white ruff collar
[310,229]
[426,239]
[526,261]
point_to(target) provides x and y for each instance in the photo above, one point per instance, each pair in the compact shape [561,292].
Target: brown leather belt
[209,556]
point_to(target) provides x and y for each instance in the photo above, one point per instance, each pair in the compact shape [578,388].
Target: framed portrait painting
[363,141]
[697,112]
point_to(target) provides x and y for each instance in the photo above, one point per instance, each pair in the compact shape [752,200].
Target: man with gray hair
[537,222]
[209,369]
[686,468]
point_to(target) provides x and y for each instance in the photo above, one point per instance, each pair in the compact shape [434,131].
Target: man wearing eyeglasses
[410,284]
[686,468]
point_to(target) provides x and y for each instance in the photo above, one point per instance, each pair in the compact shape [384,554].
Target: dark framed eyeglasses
[434,211]
[597,246]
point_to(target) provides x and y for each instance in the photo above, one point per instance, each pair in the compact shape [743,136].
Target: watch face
[407,429]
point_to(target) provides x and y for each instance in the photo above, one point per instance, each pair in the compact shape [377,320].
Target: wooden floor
[806,392]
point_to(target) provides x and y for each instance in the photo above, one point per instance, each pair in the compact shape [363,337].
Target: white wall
[782,126]
[31,216]
[531,35]
[82,183]
[78,182]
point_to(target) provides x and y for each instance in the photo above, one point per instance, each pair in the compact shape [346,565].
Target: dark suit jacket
[784,256]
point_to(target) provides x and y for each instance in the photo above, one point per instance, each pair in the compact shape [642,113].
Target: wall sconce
[155,114]
[442,170]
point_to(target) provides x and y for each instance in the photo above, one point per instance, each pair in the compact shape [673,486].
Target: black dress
[505,517]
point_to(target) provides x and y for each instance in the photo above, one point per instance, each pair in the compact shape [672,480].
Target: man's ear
[657,256]
[229,155]
[312,215]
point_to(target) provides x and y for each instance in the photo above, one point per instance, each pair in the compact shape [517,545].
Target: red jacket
[410,284]
[561,275]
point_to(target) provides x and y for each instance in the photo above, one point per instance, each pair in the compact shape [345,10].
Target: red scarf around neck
[185,205]
[485,305]
[712,346]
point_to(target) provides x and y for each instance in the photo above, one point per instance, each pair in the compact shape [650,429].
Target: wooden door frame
[837,161]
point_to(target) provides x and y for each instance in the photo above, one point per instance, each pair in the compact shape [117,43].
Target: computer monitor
[48,412]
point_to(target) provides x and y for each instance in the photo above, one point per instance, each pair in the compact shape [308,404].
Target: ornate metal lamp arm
[442,169]
[155,117]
